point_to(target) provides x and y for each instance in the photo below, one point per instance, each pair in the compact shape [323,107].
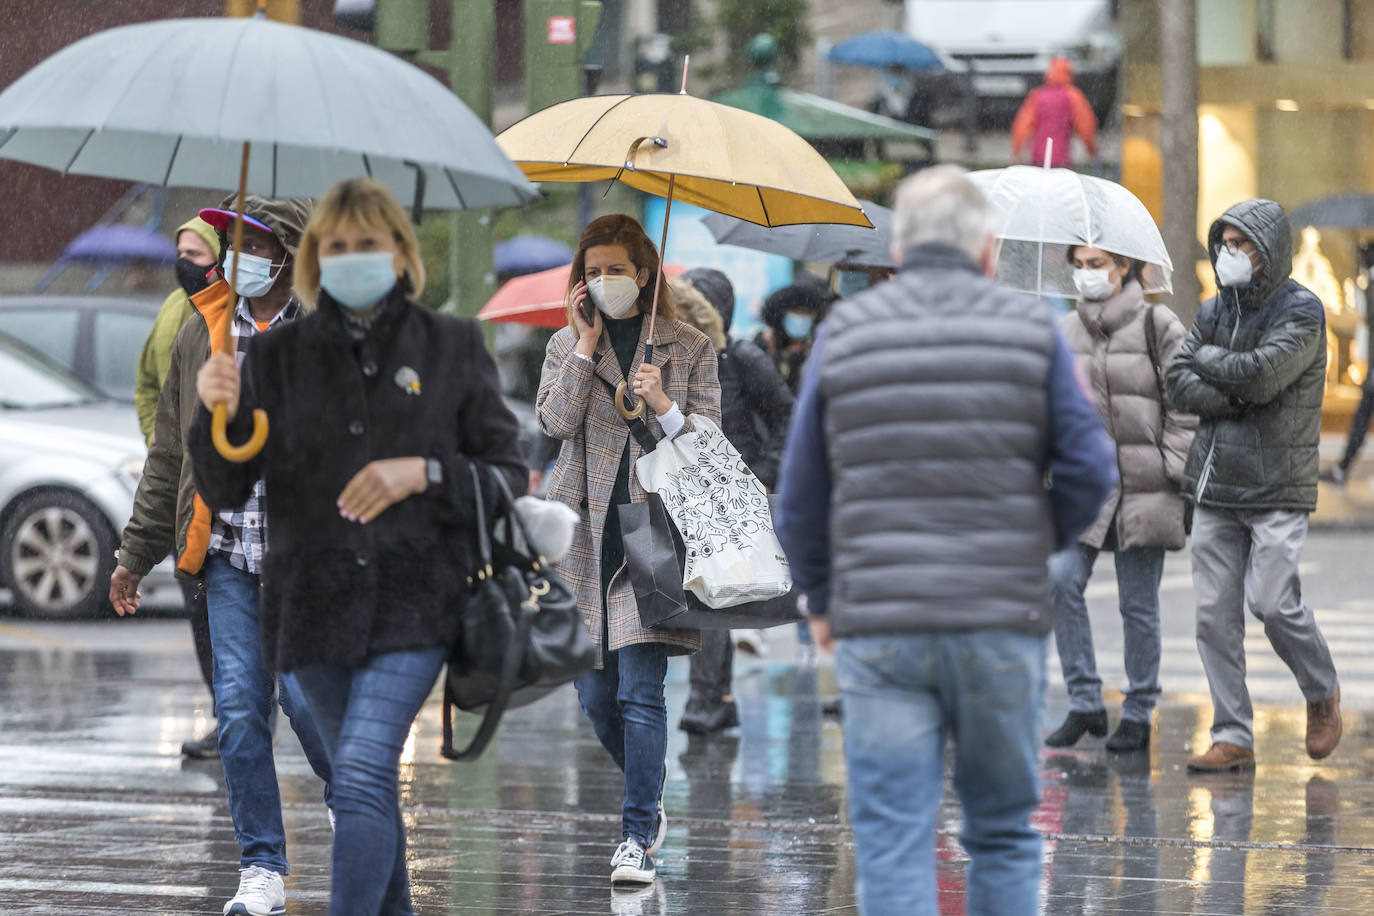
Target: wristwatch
[434,473]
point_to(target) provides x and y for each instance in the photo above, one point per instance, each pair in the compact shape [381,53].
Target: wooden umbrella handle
[219,435]
[219,432]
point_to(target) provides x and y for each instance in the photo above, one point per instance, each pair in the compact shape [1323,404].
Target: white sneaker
[751,642]
[261,893]
[631,864]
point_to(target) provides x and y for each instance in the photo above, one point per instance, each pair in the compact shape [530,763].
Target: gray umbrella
[831,244]
[317,108]
[1344,211]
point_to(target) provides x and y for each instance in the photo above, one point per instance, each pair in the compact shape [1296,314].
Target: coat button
[370,368]
[356,428]
[362,559]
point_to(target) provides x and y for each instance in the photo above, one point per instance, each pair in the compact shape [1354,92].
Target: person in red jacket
[1054,112]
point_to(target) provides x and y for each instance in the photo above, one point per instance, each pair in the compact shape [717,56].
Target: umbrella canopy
[537,299]
[831,244]
[1344,211]
[1041,212]
[317,109]
[884,48]
[527,254]
[716,157]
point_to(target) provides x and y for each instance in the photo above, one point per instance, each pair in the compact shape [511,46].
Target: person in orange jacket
[1054,112]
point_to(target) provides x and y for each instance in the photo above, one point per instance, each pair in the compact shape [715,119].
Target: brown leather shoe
[1324,725]
[1221,756]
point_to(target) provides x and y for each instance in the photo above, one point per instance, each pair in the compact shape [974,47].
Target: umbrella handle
[219,423]
[621,400]
[219,435]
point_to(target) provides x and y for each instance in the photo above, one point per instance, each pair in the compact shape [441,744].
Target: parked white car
[70,461]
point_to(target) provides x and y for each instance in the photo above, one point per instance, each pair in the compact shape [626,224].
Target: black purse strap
[515,649]
[638,428]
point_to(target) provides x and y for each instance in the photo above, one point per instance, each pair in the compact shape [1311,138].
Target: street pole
[471,271]
[1179,148]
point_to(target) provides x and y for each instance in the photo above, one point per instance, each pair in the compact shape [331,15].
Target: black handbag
[521,635]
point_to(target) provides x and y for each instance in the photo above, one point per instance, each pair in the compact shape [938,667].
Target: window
[50,331]
[118,342]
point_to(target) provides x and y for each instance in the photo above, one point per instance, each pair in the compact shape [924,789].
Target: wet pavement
[99,814]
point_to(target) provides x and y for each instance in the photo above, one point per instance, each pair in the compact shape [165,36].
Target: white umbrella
[1041,212]
[272,109]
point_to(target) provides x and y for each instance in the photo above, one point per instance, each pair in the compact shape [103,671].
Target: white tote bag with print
[721,510]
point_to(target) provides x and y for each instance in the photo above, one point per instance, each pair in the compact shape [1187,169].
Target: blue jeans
[1138,572]
[904,695]
[244,686]
[625,704]
[364,715]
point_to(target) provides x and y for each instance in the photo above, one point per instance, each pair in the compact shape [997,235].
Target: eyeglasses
[1234,245]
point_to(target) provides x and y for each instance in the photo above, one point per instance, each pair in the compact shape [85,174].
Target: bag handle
[483,533]
[510,668]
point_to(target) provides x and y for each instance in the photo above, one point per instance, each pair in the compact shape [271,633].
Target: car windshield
[29,381]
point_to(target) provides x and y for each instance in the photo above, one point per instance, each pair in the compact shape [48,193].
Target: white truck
[1001,49]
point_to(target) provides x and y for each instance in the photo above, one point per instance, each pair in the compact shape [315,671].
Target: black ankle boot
[1094,723]
[1130,736]
[708,718]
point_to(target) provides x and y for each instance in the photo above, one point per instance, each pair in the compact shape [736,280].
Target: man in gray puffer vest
[916,516]
[1253,369]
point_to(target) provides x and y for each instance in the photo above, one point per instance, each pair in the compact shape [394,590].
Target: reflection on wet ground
[99,814]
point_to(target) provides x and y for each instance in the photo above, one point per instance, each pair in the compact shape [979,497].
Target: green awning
[817,118]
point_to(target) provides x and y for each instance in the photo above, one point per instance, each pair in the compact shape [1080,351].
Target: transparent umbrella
[1041,212]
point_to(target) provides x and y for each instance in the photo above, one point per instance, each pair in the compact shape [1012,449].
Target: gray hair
[940,204]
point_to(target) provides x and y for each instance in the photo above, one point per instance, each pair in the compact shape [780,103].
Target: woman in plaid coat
[610,294]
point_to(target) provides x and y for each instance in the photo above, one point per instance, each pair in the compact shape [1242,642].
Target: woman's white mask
[615,296]
[1094,285]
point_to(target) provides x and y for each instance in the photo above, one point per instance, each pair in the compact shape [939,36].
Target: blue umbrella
[884,48]
[529,254]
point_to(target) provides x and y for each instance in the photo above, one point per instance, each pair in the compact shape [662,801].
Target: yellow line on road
[24,634]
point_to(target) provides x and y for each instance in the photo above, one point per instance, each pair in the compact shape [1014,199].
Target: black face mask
[192,277]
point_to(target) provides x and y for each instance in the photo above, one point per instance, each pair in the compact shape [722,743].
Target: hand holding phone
[586,318]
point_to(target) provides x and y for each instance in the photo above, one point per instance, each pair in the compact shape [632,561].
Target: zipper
[1205,477]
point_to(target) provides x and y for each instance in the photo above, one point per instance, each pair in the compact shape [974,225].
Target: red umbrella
[537,299]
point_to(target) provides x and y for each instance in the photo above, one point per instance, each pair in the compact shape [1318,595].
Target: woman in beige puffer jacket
[1146,514]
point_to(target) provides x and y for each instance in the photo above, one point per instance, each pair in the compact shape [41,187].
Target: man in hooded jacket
[1253,369]
[226,549]
[197,263]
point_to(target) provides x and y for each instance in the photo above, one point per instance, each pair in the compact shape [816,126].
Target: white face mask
[255,277]
[1234,268]
[615,296]
[1094,285]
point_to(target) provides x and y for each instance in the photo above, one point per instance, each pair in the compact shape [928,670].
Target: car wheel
[56,555]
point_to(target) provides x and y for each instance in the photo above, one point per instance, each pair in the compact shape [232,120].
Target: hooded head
[807,294]
[1264,223]
[717,289]
[695,309]
[203,229]
[1059,72]
[285,218]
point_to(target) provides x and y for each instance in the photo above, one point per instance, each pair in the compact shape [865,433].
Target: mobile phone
[588,312]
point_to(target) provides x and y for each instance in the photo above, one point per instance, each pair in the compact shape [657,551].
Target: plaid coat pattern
[575,406]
